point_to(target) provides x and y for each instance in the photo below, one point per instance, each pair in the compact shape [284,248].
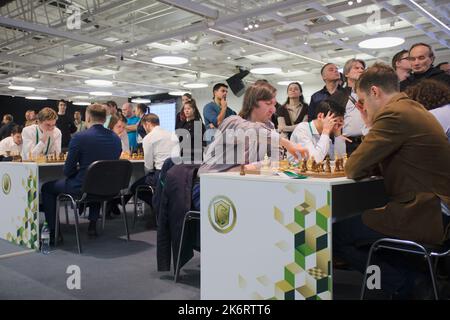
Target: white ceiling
[35,40]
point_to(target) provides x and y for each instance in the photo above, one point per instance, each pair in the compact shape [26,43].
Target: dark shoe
[92,229]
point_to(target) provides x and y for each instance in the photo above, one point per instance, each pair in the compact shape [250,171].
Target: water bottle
[45,239]
[140,209]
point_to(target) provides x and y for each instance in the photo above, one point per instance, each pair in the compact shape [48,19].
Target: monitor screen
[166,113]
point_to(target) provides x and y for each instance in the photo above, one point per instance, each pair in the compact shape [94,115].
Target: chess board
[51,158]
[310,168]
[134,156]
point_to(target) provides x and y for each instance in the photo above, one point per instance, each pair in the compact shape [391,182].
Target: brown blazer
[410,148]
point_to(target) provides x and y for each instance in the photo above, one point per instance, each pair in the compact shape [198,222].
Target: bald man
[132,121]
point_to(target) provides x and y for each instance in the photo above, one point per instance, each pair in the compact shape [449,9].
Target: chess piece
[344,161]
[313,165]
[327,165]
[265,168]
[242,172]
[304,167]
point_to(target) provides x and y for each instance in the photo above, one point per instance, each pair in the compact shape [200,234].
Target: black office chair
[428,252]
[191,220]
[105,180]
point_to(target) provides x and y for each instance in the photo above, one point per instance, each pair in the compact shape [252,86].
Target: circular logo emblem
[6,183]
[222,214]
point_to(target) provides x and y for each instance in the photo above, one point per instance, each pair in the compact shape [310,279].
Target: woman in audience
[435,97]
[294,110]
[180,118]
[118,124]
[193,125]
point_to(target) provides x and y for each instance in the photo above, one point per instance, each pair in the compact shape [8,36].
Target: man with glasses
[401,64]
[421,57]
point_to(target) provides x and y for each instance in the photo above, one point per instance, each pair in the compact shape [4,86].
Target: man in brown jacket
[407,145]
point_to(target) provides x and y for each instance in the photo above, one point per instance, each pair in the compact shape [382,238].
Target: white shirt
[318,145]
[125,142]
[353,123]
[442,115]
[8,144]
[32,143]
[159,145]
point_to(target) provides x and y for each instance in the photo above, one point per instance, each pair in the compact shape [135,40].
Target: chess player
[414,157]
[317,135]
[42,138]
[257,110]
[118,124]
[158,145]
[96,143]
[12,145]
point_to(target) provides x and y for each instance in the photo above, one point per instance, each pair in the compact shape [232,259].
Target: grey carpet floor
[112,268]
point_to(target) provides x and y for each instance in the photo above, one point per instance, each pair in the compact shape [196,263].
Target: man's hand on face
[328,123]
[223,102]
[364,114]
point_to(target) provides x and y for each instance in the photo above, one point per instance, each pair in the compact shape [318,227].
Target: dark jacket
[316,99]
[96,143]
[283,112]
[67,127]
[190,151]
[5,130]
[414,157]
[432,73]
[176,200]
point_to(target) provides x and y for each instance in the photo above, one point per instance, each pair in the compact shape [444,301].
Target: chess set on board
[49,158]
[134,156]
[306,167]
[309,167]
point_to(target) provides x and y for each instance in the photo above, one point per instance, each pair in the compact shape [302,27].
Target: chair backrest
[106,178]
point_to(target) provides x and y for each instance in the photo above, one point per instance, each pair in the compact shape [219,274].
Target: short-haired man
[111,110]
[444,66]
[410,147]
[65,124]
[317,135]
[401,64]
[8,124]
[331,76]
[30,118]
[96,143]
[12,145]
[421,57]
[78,122]
[43,138]
[132,123]
[217,110]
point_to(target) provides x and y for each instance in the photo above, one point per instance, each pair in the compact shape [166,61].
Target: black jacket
[432,73]
[67,127]
[176,200]
[5,130]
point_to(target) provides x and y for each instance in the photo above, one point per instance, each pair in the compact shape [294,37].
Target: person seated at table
[158,145]
[42,138]
[410,147]
[322,136]
[96,143]
[12,145]
[245,139]
[117,124]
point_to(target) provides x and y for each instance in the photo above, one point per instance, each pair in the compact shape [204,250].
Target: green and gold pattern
[6,183]
[222,214]
[27,233]
[308,277]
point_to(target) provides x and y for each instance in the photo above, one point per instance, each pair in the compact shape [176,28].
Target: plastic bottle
[45,239]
